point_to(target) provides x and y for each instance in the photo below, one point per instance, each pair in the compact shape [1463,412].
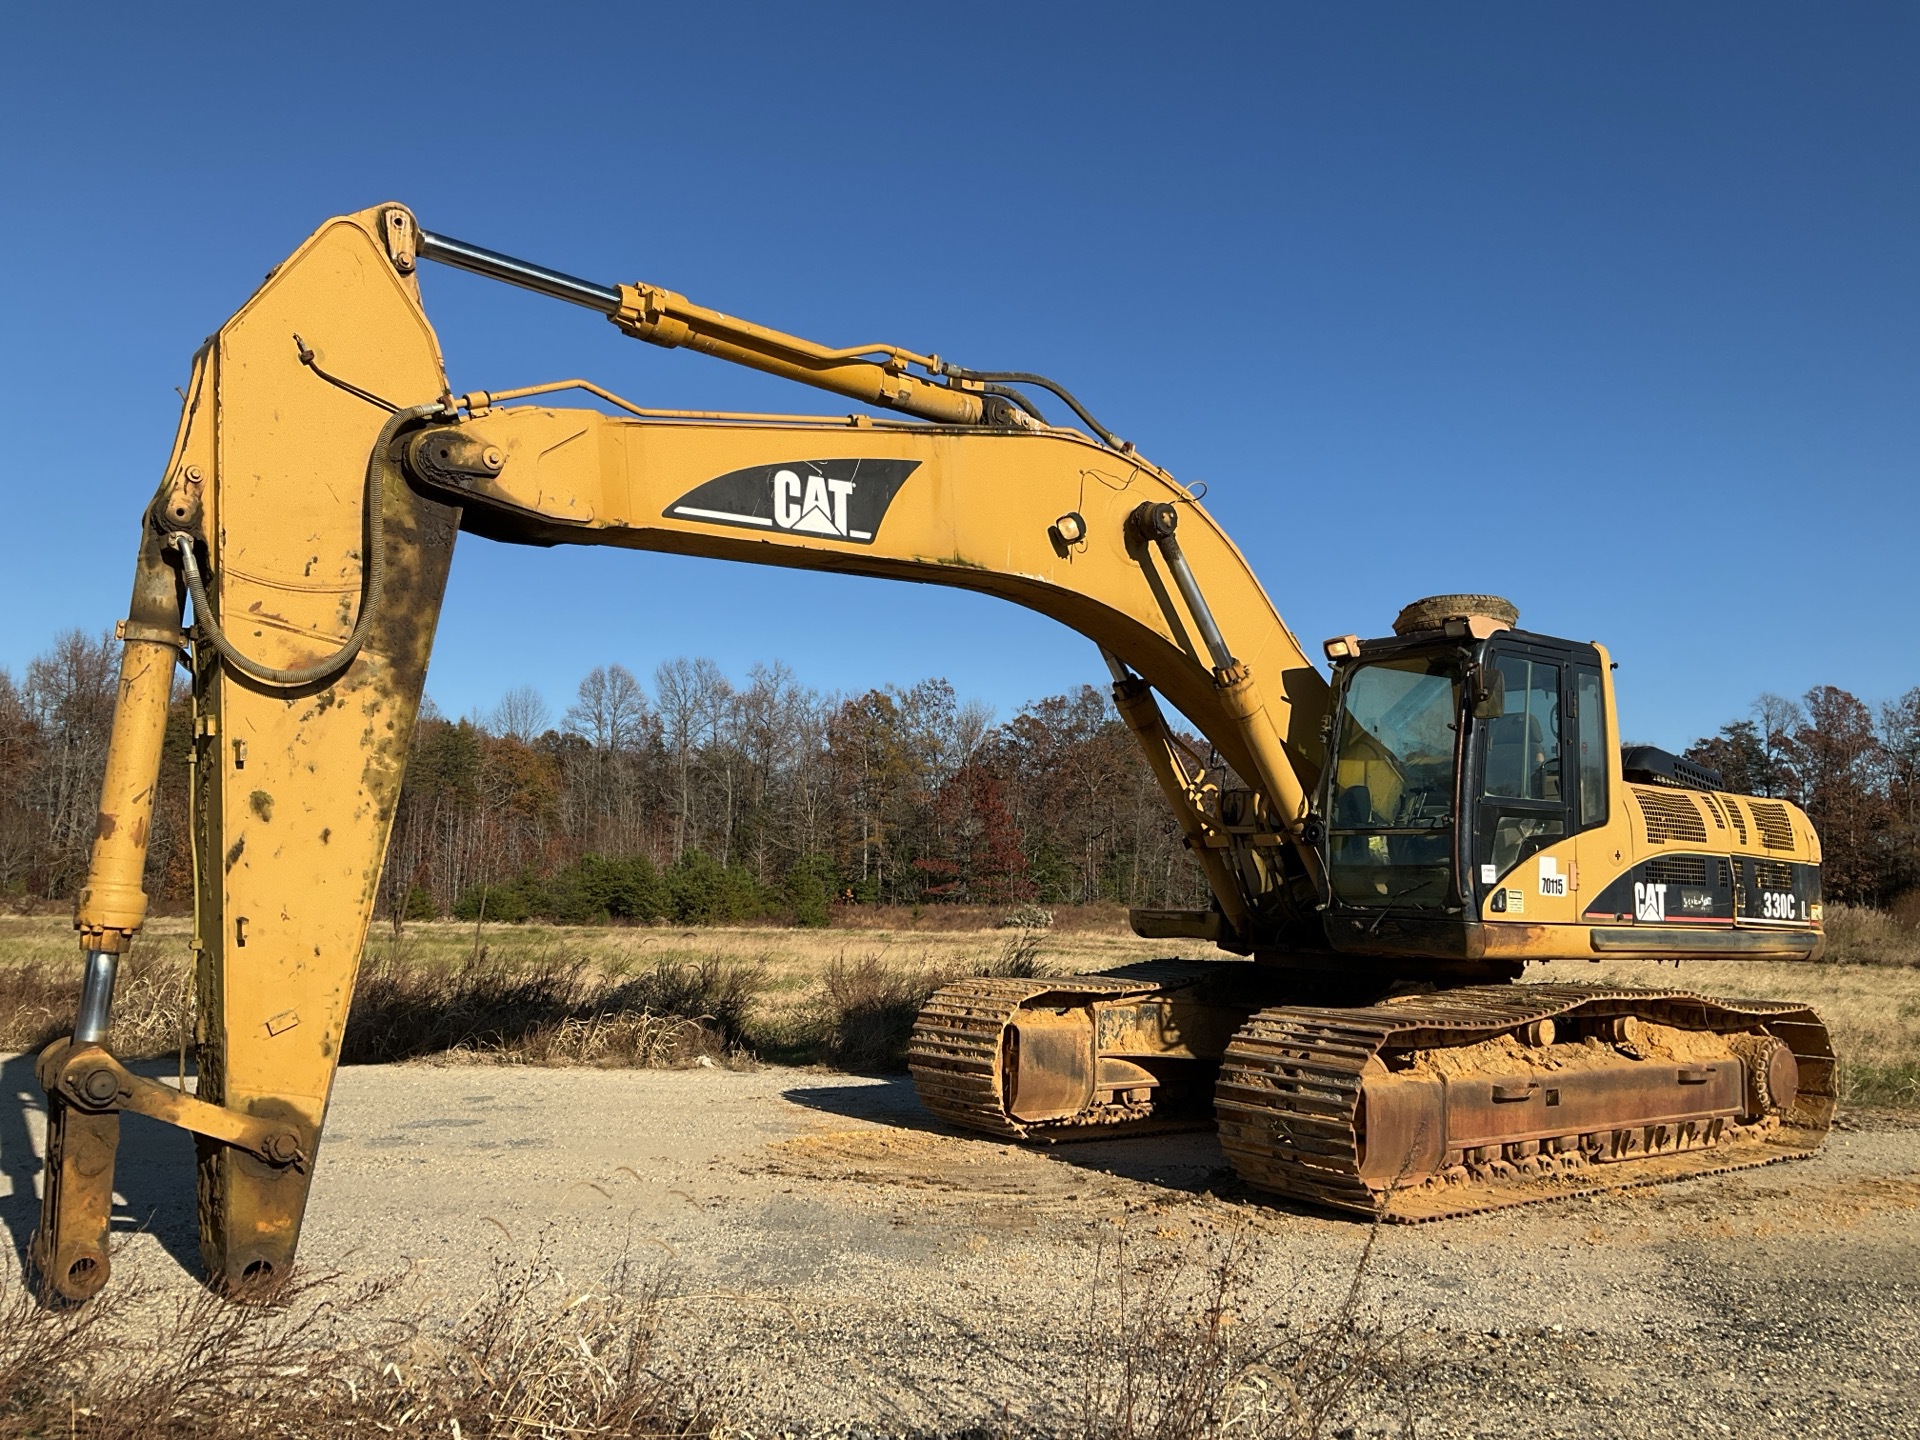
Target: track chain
[955,1055]
[1289,1092]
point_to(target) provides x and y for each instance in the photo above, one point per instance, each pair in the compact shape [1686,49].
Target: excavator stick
[296,767]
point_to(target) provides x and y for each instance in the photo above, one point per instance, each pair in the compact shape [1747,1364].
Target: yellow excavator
[1386,853]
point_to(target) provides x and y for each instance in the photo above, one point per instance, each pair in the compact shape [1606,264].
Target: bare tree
[1777,718]
[522,714]
[769,726]
[605,780]
[69,694]
[20,830]
[899,794]
[693,697]
[971,724]
[611,712]
[1900,743]
[1900,747]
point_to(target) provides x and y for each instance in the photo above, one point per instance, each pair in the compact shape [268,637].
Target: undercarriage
[1412,1107]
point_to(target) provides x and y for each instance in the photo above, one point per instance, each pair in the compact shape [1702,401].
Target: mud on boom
[1396,847]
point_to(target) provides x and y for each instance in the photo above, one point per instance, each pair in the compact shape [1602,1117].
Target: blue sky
[1613,310]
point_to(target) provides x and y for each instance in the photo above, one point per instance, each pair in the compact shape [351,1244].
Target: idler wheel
[1773,1075]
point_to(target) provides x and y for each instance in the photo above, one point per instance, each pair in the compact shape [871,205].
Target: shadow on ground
[1187,1160]
[153,1177]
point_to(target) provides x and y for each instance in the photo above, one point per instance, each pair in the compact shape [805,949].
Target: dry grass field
[623,995]
[907,1223]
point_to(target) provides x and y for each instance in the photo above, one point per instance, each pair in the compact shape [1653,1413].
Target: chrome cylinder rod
[495,266]
[96,998]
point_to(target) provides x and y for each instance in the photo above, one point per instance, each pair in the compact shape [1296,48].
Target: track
[1288,1098]
[956,1054]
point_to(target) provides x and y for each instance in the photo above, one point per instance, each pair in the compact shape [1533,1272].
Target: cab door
[1593,748]
[1525,783]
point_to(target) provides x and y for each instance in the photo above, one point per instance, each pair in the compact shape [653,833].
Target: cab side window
[1593,747]
[1523,742]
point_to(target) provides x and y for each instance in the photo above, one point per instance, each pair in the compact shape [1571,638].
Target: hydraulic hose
[373,574]
[1021,377]
[1014,397]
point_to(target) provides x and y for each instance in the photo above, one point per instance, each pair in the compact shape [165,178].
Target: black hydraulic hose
[1021,377]
[1014,397]
[373,573]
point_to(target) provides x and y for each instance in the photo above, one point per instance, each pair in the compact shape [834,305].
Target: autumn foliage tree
[700,797]
[708,800]
[1855,773]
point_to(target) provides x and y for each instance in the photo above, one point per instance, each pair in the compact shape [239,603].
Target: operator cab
[1460,747]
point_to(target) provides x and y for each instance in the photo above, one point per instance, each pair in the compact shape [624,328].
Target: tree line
[1855,770]
[699,798]
[696,798]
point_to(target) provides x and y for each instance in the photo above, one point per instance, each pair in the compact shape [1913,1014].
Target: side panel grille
[1669,815]
[1776,828]
[1773,875]
[1678,870]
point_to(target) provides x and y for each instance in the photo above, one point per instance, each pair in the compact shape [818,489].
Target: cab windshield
[1391,822]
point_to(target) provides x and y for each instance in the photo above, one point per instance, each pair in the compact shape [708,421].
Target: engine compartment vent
[1668,816]
[1776,826]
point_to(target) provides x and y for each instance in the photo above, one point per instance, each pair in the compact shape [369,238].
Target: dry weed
[208,1368]
[869,1008]
[1160,1366]
[152,1004]
[1857,935]
[868,1005]
[556,1013]
[1105,919]
[533,1358]
[634,996]
[538,1358]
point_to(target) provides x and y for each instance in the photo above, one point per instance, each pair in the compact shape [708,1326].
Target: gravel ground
[855,1268]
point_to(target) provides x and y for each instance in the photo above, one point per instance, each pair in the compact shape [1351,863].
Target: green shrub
[810,889]
[510,904]
[702,891]
[598,888]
